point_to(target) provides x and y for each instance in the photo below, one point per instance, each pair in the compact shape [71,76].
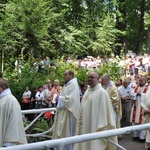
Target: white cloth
[39,96]
[96,115]
[26,94]
[136,112]
[146,116]
[124,92]
[54,98]
[8,144]
[60,102]
[67,112]
[114,95]
[5,92]
[45,95]
[11,123]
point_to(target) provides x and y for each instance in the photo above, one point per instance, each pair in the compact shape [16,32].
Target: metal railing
[34,111]
[60,143]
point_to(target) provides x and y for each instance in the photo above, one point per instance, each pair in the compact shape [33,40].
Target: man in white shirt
[39,96]
[126,96]
[47,97]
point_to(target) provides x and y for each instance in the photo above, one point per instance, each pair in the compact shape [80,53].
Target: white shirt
[26,94]
[39,96]
[46,93]
[124,92]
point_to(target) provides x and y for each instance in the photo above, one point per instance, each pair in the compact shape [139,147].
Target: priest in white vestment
[11,124]
[146,117]
[136,111]
[114,95]
[96,115]
[67,109]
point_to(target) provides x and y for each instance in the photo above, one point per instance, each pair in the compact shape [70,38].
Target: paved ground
[129,144]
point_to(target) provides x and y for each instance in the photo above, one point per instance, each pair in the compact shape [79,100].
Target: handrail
[59,143]
[33,111]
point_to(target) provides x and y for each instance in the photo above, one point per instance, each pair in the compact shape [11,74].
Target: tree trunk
[148,41]
[121,25]
[141,29]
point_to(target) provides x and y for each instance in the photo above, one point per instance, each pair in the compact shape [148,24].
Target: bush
[18,81]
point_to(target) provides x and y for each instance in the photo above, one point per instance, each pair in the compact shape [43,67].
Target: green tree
[25,26]
[147,26]
[106,35]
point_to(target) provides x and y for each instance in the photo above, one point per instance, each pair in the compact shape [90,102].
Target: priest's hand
[138,93]
[146,111]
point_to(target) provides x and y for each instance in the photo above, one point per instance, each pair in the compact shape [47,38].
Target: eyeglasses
[91,77]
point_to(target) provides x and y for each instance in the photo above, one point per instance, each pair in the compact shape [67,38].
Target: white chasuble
[96,115]
[11,124]
[67,112]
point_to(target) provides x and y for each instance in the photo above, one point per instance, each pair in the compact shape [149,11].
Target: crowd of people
[134,103]
[44,96]
[125,98]
[130,64]
[97,105]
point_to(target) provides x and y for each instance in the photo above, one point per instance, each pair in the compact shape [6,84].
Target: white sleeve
[60,102]
[143,95]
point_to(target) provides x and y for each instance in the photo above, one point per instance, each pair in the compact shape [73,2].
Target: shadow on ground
[127,142]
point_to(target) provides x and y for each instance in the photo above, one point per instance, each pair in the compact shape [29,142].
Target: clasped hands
[138,93]
[146,111]
[126,98]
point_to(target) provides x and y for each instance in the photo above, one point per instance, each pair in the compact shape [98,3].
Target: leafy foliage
[25,26]
[40,126]
[33,79]
[54,28]
[18,81]
[110,69]
[106,36]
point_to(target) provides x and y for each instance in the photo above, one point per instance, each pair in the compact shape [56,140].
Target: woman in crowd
[26,100]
